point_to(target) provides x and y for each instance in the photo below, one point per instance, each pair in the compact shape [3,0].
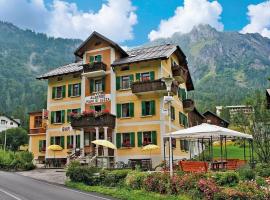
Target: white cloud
[115,19]
[259,16]
[192,13]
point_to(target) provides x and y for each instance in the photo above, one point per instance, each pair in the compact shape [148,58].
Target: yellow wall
[35,144]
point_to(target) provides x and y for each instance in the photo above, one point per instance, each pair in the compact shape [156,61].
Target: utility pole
[5,143]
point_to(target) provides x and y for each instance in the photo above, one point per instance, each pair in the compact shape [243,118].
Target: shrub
[83,174]
[226,178]
[157,182]
[208,187]
[253,190]
[231,194]
[246,173]
[135,179]
[261,181]
[263,170]
[115,177]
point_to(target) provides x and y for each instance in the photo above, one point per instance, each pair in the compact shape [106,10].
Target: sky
[134,22]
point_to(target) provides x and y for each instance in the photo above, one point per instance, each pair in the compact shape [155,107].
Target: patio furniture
[145,164]
[232,164]
[193,166]
[218,165]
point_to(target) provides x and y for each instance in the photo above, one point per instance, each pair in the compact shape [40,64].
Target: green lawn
[124,193]
[233,151]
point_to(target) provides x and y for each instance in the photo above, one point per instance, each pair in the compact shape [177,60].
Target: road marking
[9,194]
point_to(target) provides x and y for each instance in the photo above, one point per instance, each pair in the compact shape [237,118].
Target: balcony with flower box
[188,105]
[94,69]
[155,86]
[179,73]
[40,130]
[91,119]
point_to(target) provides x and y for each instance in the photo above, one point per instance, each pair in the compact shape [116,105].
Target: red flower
[88,113]
[106,111]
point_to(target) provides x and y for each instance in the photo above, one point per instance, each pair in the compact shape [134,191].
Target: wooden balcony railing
[188,105]
[179,73]
[152,86]
[92,121]
[37,130]
[95,66]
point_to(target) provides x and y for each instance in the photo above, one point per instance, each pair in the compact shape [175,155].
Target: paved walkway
[50,175]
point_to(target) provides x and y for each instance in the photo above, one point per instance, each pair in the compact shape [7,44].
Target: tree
[15,138]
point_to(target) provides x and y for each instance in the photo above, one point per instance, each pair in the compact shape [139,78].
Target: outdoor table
[217,165]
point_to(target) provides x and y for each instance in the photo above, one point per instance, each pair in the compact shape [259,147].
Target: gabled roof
[147,53]
[63,70]
[195,110]
[268,92]
[80,50]
[211,113]
[17,121]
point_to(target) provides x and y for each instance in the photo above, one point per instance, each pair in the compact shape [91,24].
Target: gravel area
[50,175]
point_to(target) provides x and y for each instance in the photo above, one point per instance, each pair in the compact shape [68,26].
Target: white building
[8,122]
[236,109]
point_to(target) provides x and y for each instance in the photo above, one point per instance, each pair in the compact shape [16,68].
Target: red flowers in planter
[105,111]
[89,113]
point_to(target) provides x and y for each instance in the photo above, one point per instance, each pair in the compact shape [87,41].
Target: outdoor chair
[193,166]
[232,164]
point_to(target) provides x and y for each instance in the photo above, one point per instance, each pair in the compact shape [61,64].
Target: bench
[193,166]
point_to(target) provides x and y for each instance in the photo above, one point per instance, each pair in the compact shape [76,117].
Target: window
[172,113]
[96,58]
[183,119]
[38,121]
[125,110]
[147,137]
[58,140]
[3,122]
[182,94]
[42,145]
[148,108]
[173,143]
[70,141]
[58,117]
[97,85]
[124,82]
[74,90]
[78,110]
[59,78]
[98,108]
[11,123]
[59,92]
[184,145]
[145,76]
[125,139]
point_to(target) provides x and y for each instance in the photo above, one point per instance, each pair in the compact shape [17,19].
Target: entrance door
[89,148]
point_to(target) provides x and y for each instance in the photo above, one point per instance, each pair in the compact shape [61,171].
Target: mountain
[226,67]
[25,54]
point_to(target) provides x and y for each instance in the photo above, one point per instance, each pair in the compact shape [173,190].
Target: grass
[233,152]
[124,193]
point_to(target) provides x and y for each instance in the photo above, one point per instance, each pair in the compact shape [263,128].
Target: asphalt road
[17,187]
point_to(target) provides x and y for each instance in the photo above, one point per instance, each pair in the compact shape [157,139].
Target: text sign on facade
[98,98]
[66,128]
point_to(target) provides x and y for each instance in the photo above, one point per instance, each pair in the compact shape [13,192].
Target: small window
[148,108]
[184,145]
[75,90]
[96,58]
[126,140]
[42,145]
[98,108]
[98,85]
[147,138]
[172,113]
[125,68]
[126,110]
[11,123]
[38,121]
[3,121]
[70,140]
[145,76]
[58,117]
[59,78]
[125,82]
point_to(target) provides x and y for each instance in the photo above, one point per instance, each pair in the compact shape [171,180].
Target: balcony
[158,86]
[93,121]
[37,130]
[179,73]
[94,69]
[188,105]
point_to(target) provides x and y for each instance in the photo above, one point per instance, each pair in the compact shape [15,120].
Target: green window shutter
[118,140]
[138,76]
[139,135]
[154,137]
[80,88]
[91,85]
[68,115]
[52,117]
[78,110]
[103,107]
[118,78]
[40,146]
[132,139]
[63,116]
[131,109]
[131,79]
[152,75]
[143,108]
[53,92]
[99,58]
[92,107]
[78,141]
[63,91]
[183,94]
[103,84]
[52,141]
[153,107]
[69,90]
[62,141]
[172,113]
[91,59]
[68,141]
[119,110]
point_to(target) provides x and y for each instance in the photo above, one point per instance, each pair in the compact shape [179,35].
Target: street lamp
[168,99]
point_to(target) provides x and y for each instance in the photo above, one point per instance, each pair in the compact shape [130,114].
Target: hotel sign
[98,98]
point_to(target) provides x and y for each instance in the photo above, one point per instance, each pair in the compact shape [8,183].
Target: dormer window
[96,58]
